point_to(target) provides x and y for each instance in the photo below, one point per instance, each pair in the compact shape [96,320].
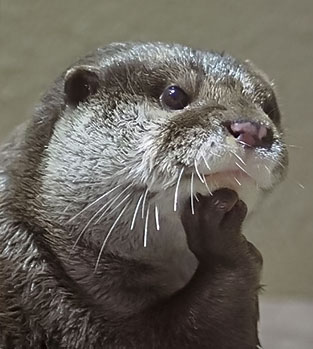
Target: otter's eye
[173,97]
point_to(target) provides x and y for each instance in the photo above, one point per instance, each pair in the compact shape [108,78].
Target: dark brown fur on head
[114,229]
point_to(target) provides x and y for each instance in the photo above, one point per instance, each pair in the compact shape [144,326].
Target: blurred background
[39,39]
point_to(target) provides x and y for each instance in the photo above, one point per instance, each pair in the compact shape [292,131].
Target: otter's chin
[245,186]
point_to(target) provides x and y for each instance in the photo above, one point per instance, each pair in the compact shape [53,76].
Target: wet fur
[88,280]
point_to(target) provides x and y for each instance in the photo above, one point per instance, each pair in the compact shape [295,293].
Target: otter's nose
[251,134]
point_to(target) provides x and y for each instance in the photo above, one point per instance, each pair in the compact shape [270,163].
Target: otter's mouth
[241,182]
[234,174]
[233,179]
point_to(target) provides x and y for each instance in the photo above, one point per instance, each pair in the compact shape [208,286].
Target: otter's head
[143,127]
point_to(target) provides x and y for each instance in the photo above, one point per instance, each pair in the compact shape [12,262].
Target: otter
[122,202]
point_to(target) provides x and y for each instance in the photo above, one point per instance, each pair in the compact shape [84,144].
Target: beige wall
[38,39]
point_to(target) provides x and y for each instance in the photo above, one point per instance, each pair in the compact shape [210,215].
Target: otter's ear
[79,83]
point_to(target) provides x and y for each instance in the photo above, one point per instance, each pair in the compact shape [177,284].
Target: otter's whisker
[237,181]
[143,204]
[191,193]
[87,225]
[156,214]
[280,164]
[215,154]
[242,169]
[268,170]
[94,202]
[245,144]
[206,185]
[118,205]
[238,157]
[205,162]
[135,212]
[67,207]
[197,171]
[111,202]
[176,189]
[109,233]
[294,146]
[289,177]
[145,236]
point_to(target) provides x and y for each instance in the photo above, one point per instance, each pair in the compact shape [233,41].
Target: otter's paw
[213,230]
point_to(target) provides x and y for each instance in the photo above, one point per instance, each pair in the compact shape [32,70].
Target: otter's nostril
[250,134]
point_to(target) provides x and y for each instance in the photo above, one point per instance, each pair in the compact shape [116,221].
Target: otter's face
[167,118]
